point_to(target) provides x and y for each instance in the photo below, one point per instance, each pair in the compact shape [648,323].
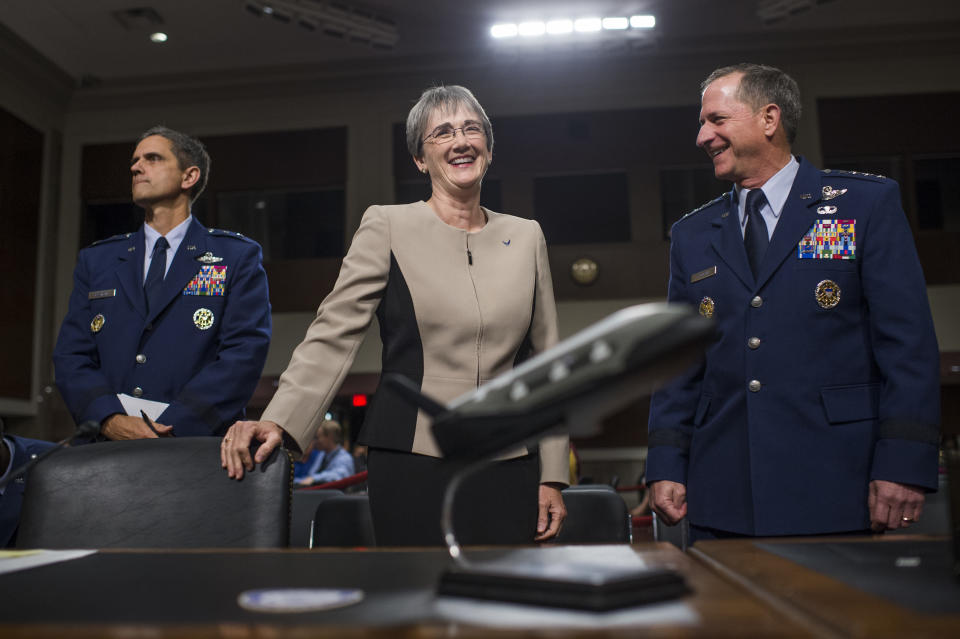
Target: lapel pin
[829,192]
[208,258]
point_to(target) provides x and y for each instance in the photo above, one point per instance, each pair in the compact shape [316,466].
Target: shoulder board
[704,206]
[225,233]
[119,236]
[854,174]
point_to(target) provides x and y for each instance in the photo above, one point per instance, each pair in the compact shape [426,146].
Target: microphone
[86,430]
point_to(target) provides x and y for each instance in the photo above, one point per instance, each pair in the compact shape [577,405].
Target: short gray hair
[189,152]
[762,85]
[445,99]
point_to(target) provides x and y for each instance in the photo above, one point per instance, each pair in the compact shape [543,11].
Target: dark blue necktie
[158,266]
[755,238]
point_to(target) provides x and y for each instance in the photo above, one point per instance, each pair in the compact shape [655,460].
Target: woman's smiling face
[458,164]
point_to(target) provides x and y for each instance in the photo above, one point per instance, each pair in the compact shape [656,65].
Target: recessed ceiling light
[586,25]
[531,28]
[615,23]
[503,30]
[643,22]
[158,37]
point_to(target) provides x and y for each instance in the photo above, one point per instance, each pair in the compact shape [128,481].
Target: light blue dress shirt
[338,467]
[776,190]
[174,238]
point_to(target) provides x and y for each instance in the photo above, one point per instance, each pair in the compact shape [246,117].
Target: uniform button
[754,386]
[141,358]
[138,392]
[756,302]
[753,343]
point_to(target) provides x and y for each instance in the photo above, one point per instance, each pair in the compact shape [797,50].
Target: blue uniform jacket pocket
[855,403]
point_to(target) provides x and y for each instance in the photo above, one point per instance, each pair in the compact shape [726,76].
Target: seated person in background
[643,497]
[14,451]
[332,461]
[359,458]
[302,467]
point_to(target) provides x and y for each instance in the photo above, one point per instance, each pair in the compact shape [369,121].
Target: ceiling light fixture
[335,19]
[771,11]
[503,30]
[565,26]
[158,37]
[615,24]
[531,28]
[557,27]
[587,25]
[643,22]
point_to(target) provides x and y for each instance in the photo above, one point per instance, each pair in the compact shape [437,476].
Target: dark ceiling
[221,37]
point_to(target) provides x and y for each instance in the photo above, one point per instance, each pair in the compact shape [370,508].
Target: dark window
[287,224]
[937,183]
[583,209]
[684,189]
[106,219]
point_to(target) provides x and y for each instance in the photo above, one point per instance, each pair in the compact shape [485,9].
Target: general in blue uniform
[816,410]
[198,343]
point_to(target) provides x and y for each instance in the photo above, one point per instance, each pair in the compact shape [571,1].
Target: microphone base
[581,586]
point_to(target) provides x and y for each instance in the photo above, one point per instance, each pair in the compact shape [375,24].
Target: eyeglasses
[445,134]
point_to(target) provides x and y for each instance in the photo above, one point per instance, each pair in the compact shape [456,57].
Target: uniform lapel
[728,241]
[799,213]
[130,272]
[183,268]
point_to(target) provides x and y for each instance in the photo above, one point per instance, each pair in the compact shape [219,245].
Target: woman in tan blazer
[461,293]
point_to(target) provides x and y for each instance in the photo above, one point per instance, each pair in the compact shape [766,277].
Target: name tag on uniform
[704,274]
[99,295]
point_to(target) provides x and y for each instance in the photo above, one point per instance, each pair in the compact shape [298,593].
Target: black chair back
[305,502]
[596,514]
[156,493]
[343,521]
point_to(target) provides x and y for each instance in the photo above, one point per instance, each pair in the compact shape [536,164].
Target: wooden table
[823,605]
[175,593]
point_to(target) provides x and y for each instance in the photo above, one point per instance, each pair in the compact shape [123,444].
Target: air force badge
[208,258]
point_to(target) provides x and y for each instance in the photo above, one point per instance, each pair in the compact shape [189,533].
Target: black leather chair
[305,502]
[156,493]
[343,521]
[596,514]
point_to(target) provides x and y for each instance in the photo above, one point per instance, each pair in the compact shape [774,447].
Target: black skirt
[494,506]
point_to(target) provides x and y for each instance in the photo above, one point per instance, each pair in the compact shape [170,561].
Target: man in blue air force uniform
[175,312]
[817,408]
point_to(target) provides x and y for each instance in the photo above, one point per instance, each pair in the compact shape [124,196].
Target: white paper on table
[133,406]
[13,560]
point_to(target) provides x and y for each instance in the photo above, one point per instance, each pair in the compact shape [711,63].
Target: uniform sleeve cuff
[666,462]
[101,408]
[905,462]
